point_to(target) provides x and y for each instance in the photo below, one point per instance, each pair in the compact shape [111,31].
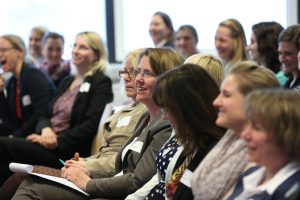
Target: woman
[137,154]
[116,130]
[272,141]
[35,44]
[288,48]
[161,30]
[230,43]
[219,170]
[172,149]
[28,90]
[186,40]
[53,63]
[263,48]
[73,115]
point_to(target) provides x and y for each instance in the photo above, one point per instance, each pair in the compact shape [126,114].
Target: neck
[153,110]
[81,71]
[18,69]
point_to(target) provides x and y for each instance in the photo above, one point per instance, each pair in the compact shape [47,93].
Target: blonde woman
[73,115]
[230,43]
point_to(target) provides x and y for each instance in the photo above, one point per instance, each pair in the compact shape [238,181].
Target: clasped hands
[47,139]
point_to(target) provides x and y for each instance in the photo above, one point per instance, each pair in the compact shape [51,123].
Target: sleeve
[84,129]
[41,91]
[121,186]
[142,193]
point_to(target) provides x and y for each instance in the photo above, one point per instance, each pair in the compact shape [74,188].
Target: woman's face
[35,43]
[252,48]
[185,42]
[9,56]
[288,57]
[129,80]
[144,85]
[82,54]
[53,51]
[224,43]
[158,29]
[230,105]
[261,145]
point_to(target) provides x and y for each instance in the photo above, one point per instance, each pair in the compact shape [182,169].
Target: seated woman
[215,69]
[73,115]
[135,162]
[28,90]
[272,139]
[116,130]
[221,167]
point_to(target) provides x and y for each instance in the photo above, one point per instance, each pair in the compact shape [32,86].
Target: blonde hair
[210,63]
[239,39]
[251,76]
[96,43]
[277,112]
[133,55]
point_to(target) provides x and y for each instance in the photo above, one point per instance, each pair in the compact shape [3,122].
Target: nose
[216,102]
[246,133]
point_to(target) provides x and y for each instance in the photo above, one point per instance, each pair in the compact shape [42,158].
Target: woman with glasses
[73,115]
[27,91]
[135,162]
[116,130]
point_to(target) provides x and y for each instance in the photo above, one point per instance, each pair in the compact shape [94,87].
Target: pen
[62,162]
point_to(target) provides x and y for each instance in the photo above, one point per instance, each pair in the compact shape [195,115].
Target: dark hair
[266,34]
[291,34]
[190,28]
[187,93]
[167,20]
[54,36]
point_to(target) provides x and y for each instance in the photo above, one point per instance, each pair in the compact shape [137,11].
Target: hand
[49,138]
[2,81]
[35,138]
[76,174]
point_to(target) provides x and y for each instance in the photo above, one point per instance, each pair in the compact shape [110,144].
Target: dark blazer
[183,191]
[6,127]
[287,190]
[86,113]
[138,168]
[36,91]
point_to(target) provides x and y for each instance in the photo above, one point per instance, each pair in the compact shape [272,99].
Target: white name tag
[26,100]
[124,121]
[85,87]
[137,146]
[186,178]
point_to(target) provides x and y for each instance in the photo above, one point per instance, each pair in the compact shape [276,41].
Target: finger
[76,156]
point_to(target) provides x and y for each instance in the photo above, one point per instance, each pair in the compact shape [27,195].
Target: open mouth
[2,62]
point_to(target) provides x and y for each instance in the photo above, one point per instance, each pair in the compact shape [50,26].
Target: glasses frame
[129,74]
[145,74]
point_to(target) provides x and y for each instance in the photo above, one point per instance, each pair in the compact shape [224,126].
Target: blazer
[85,115]
[184,190]
[6,127]
[138,166]
[116,131]
[36,91]
[287,190]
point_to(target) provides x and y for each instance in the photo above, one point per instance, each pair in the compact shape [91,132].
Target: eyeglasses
[145,74]
[3,50]
[123,73]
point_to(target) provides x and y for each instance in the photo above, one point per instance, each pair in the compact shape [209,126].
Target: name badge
[137,146]
[85,87]
[186,178]
[124,121]
[26,100]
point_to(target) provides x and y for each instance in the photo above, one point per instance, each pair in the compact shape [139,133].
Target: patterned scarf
[172,183]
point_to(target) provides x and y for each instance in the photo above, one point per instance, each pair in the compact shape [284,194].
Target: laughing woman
[73,115]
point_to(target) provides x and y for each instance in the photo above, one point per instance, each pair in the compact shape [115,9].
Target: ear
[96,56]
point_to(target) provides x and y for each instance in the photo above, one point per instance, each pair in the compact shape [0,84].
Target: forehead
[128,64]
[223,31]
[145,64]
[184,32]
[4,41]
[81,40]
[287,46]
[157,19]
[54,41]
[230,83]
[36,35]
